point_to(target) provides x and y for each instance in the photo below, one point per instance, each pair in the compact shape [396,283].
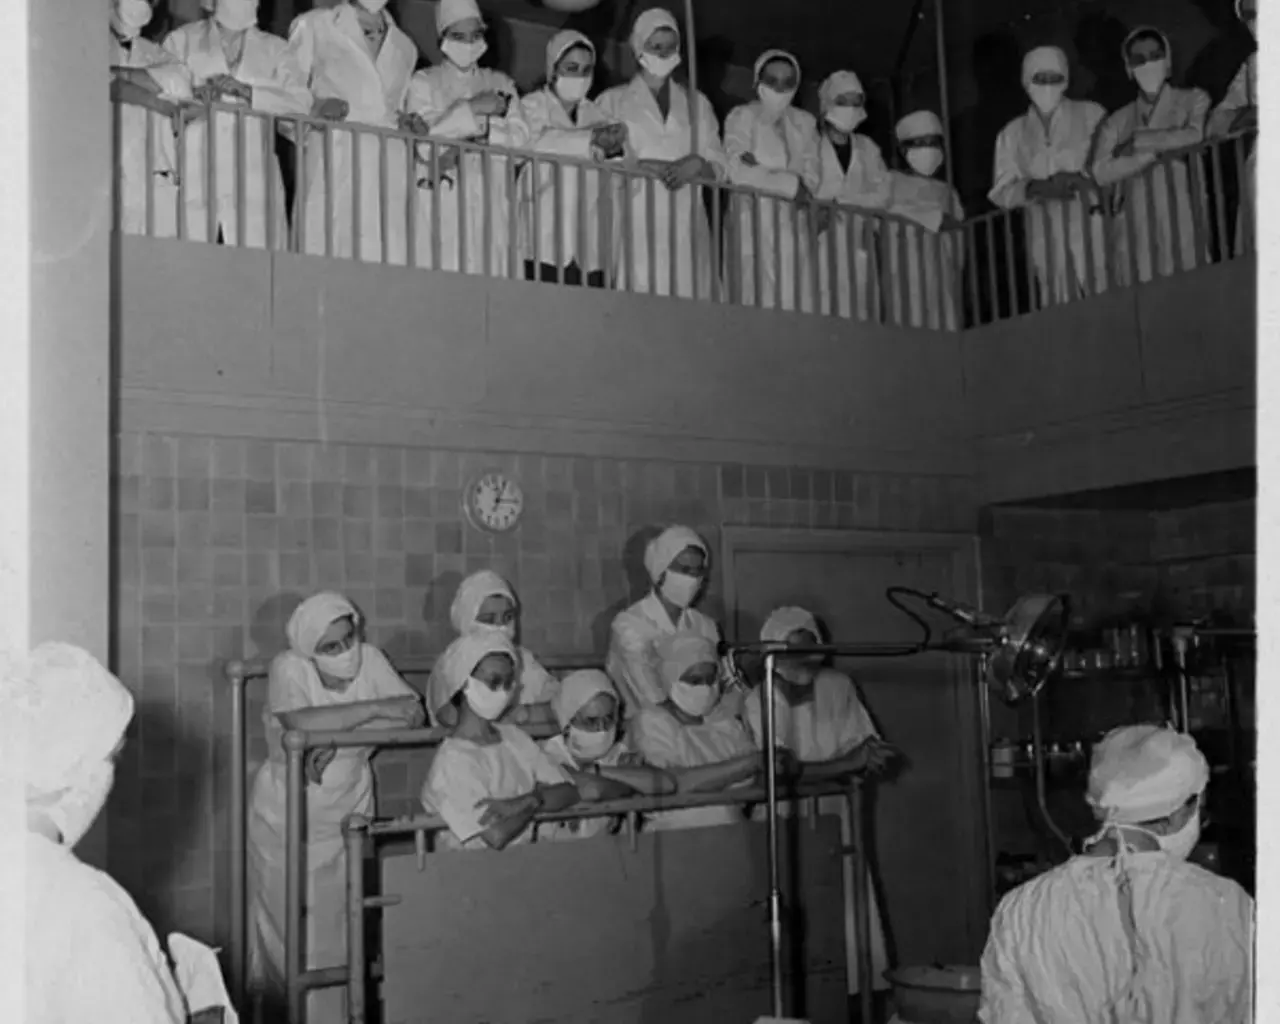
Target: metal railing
[352,191]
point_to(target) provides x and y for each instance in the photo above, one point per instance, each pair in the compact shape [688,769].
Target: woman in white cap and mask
[677,562]
[152,90]
[659,116]
[927,270]
[853,174]
[820,719]
[90,955]
[234,62]
[772,147]
[1129,930]
[486,603]
[1127,154]
[488,780]
[328,679]
[562,242]
[591,743]
[1042,167]
[356,62]
[464,207]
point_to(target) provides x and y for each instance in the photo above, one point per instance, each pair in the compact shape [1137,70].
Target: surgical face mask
[659,67]
[846,119]
[130,17]
[679,589]
[572,88]
[344,666]
[485,701]
[77,810]
[774,101]
[1180,844]
[1047,97]
[372,6]
[464,55]
[797,673]
[236,15]
[693,699]
[507,629]
[589,745]
[925,160]
[1151,76]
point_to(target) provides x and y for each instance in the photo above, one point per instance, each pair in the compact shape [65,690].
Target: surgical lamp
[1019,653]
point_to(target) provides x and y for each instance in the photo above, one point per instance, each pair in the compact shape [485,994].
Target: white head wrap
[1148,30]
[576,689]
[310,619]
[456,663]
[779,626]
[561,43]
[663,549]
[1143,773]
[471,595]
[1044,58]
[919,125]
[648,23]
[770,55]
[450,12]
[837,85]
[679,652]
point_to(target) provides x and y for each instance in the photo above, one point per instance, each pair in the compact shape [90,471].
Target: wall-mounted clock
[493,501]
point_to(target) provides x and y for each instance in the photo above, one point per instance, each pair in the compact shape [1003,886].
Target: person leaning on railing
[1238,113]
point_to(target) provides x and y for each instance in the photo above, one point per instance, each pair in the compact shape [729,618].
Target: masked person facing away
[462,199]
[676,259]
[560,225]
[677,563]
[233,62]
[1128,930]
[929,267]
[329,678]
[1128,155]
[1041,167]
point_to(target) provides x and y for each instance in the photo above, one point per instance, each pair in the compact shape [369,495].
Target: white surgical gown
[927,270]
[845,250]
[1144,183]
[277,89]
[464,773]
[328,47]
[469,207]
[569,227]
[832,725]
[1027,151]
[632,662]
[1241,93]
[346,787]
[676,259]
[90,956]
[772,235]
[1058,952]
[580,828]
[134,125]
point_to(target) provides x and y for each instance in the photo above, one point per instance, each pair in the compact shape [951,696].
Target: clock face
[494,502]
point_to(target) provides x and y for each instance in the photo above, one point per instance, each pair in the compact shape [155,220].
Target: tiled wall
[218,539]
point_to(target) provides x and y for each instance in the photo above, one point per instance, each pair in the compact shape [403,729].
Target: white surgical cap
[1144,773]
[770,55]
[471,595]
[838,84]
[1146,30]
[779,626]
[663,549]
[576,689]
[310,619]
[648,23]
[679,652]
[561,43]
[71,712]
[919,125]
[456,663]
[450,12]
[1044,58]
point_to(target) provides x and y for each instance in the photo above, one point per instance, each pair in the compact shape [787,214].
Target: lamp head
[1031,640]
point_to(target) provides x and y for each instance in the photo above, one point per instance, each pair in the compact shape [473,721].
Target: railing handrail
[240,671]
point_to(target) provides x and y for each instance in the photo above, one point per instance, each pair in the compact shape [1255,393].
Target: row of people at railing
[671,720]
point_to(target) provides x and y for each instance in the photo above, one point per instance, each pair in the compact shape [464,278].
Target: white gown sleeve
[632,650]
[738,140]
[709,147]
[1008,186]
[1005,999]
[544,137]
[287,92]
[453,791]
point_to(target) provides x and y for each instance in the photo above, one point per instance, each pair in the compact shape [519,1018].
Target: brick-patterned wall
[217,539]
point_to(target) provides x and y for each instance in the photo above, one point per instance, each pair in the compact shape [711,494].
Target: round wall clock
[493,501]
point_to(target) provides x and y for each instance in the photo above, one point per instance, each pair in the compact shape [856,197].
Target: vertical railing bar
[384,197]
[357,193]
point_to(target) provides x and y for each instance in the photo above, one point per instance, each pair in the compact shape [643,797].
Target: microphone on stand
[962,612]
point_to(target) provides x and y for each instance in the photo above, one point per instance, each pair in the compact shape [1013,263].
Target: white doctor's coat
[845,249]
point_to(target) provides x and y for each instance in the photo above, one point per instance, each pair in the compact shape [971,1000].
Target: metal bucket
[936,995]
